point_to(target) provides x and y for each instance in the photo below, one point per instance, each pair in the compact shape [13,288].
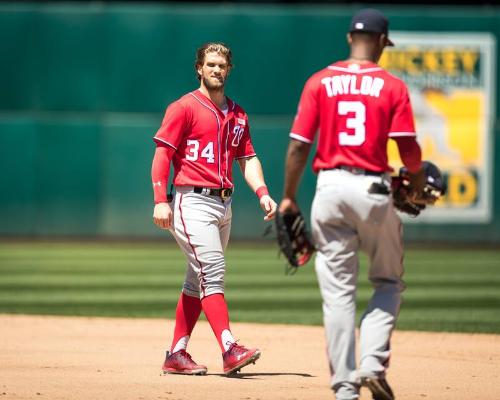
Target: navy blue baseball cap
[371,20]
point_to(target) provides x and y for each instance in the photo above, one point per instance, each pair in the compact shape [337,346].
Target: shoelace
[235,345]
[185,353]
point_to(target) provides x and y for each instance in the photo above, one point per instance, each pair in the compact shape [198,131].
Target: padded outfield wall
[83,89]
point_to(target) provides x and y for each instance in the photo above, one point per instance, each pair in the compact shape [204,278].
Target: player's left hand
[288,205]
[269,207]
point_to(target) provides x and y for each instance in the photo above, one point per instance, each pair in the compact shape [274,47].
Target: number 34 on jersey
[193,151]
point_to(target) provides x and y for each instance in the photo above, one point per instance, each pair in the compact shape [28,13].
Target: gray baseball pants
[345,219]
[201,227]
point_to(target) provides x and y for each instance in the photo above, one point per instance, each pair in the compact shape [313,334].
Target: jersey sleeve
[245,147]
[160,170]
[173,126]
[402,123]
[306,120]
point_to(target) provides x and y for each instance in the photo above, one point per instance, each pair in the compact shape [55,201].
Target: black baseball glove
[293,238]
[413,193]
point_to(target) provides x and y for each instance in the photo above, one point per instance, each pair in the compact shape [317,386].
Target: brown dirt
[98,358]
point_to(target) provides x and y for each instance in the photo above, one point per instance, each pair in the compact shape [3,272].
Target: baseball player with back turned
[357,107]
[201,134]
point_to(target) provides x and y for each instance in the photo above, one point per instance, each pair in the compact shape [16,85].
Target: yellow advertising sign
[451,82]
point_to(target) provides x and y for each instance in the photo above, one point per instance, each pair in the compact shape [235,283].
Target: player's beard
[217,86]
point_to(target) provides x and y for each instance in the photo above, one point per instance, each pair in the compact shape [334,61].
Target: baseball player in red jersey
[357,107]
[201,134]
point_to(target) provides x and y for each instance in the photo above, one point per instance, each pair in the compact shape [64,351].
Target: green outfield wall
[83,89]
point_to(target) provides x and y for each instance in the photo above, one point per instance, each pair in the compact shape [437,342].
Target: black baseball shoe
[379,387]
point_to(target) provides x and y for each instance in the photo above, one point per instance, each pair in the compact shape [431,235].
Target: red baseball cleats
[237,357]
[181,362]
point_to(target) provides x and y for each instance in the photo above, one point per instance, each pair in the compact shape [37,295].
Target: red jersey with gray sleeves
[357,108]
[205,140]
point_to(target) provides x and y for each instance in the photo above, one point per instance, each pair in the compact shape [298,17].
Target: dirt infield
[97,358]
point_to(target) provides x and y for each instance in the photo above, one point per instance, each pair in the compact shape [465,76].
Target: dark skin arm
[296,161]
[411,155]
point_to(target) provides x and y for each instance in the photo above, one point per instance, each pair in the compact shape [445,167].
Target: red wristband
[261,191]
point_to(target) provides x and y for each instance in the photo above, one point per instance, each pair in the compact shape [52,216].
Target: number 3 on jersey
[207,152]
[357,122]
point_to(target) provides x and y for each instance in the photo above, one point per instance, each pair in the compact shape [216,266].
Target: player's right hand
[163,215]
[418,181]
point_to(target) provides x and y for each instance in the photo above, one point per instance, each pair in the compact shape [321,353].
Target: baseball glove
[412,200]
[293,238]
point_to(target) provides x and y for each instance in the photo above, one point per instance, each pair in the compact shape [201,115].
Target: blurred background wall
[83,88]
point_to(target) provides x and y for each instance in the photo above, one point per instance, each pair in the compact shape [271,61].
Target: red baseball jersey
[206,141]
[357,108]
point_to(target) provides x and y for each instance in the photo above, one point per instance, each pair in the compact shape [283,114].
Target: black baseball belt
[375,187]
[356,170]
[223,193]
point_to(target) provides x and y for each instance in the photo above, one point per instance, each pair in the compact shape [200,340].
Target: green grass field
[447,290]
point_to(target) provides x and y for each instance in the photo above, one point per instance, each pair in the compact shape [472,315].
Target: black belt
[223,193]
[356,170]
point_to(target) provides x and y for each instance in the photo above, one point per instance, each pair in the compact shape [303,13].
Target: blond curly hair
[212,47]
